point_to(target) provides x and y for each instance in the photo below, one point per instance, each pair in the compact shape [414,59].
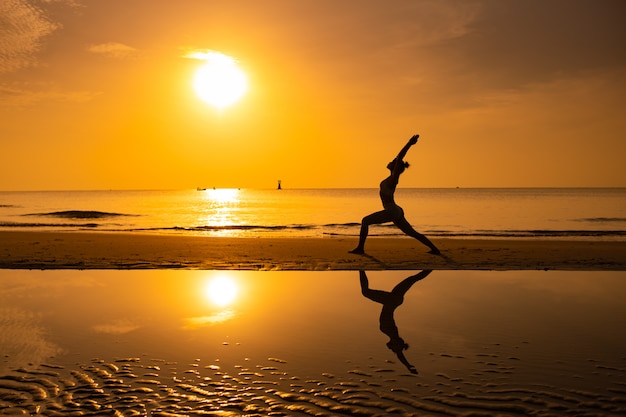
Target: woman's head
[397,345]
[391,166]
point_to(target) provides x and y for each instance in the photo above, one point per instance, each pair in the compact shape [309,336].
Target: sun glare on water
[223,195]
[219,81]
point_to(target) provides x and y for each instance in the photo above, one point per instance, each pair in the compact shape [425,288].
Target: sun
[219,81]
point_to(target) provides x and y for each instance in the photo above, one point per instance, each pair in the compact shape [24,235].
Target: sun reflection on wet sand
[222,290]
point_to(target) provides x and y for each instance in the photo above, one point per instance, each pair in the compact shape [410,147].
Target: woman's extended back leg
[406,227]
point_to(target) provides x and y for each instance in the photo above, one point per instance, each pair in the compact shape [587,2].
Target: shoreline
[102,250]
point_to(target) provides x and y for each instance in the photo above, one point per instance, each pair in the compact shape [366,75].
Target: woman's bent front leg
[375,218]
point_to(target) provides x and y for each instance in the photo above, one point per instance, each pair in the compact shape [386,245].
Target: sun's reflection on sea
[222,206]
[222,195]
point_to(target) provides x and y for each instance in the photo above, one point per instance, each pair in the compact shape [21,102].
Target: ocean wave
[602,219]
[505,233]
[333,229]
[45,225]
[531,233]
[79,214]
[351,224]
[229,227]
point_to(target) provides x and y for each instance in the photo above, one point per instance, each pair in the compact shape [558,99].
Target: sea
[493,213]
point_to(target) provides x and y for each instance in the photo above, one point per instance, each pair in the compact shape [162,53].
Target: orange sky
[98,95]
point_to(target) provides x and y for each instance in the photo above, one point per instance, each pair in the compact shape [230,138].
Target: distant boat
[200,189]
[279,187]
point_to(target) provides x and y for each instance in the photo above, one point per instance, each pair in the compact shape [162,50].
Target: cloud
[113,50]
[20,95]
[489,51]
[23,27]
[217,318]
[121,326]
[24,338]
[512,44]
[72,3]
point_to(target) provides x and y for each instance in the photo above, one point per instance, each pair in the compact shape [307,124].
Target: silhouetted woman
[391,301]
[392,212]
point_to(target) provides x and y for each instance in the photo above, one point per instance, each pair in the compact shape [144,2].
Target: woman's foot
[435,251]
[358,251]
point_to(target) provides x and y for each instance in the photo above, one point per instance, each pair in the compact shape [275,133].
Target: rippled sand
[150,387]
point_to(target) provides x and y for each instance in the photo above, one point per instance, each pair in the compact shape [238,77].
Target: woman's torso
[387,190]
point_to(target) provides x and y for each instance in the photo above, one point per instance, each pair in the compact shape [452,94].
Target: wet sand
[86,250]
[159,388]
[301,343]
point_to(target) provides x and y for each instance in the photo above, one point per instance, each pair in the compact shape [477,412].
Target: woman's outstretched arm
[406,148]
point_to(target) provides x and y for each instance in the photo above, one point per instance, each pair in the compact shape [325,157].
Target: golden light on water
[222,211]
[223,195]
[219,82]
[221,290]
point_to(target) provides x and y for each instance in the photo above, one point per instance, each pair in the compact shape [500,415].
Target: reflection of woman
[393,212]
[391,301]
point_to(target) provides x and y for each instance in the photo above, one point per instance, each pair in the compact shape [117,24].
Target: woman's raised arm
[408,145]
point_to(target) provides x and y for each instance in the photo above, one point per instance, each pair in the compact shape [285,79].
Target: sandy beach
[86,250]
[119,324]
